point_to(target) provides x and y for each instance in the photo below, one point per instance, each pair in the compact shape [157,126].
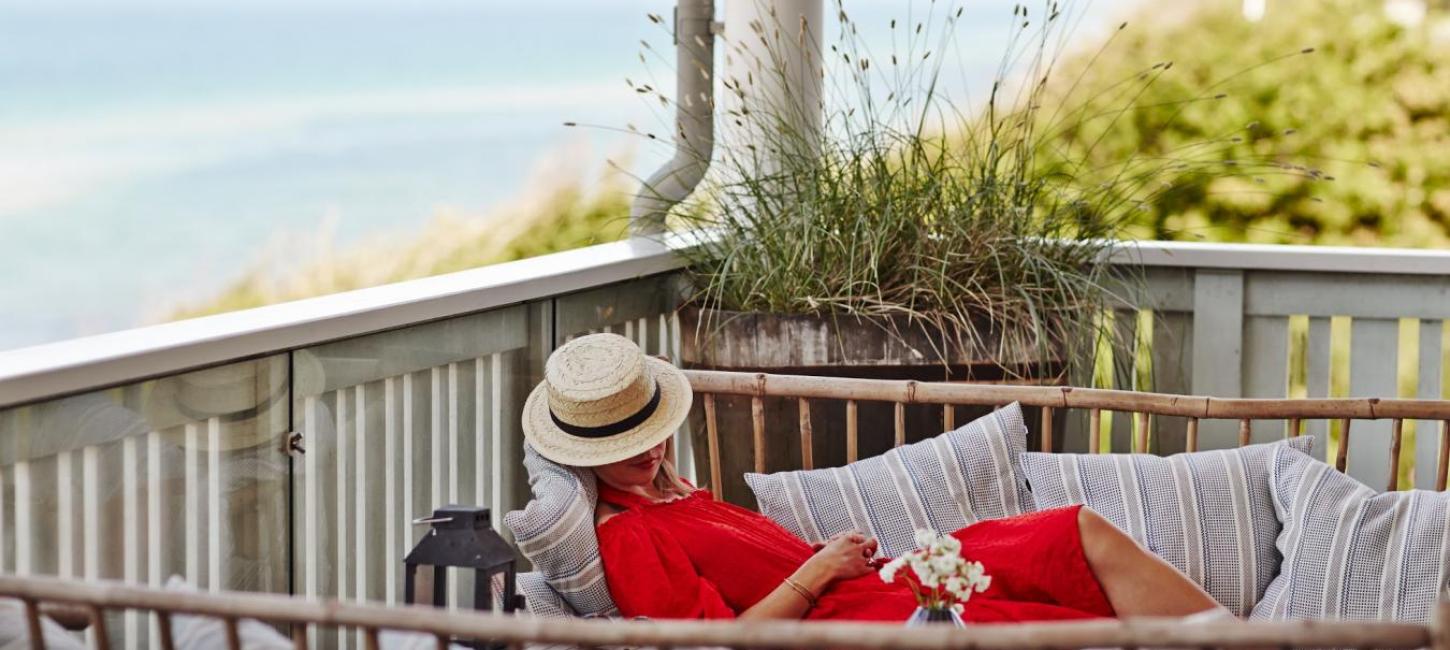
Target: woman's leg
[1137,582]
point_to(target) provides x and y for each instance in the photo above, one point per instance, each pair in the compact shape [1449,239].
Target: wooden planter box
[867,348]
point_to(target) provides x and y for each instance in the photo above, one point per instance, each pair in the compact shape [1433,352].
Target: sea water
[150,150]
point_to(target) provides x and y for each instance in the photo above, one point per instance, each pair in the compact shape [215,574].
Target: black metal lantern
[462,538]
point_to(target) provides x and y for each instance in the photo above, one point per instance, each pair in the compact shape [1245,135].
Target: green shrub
[569,215]
[1369,109]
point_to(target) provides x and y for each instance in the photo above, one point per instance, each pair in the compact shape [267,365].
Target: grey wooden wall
[1247,321]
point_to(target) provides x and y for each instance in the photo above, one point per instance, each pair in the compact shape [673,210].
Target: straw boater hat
[602,401]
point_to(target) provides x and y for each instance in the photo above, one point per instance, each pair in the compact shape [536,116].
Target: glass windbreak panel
[642,310]
[396,424]
[181,476]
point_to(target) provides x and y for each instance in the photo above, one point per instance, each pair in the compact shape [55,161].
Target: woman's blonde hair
[667,479]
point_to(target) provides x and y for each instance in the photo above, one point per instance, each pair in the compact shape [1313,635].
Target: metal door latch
[292,443]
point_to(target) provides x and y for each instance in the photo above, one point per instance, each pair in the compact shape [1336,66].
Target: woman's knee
[1101,540]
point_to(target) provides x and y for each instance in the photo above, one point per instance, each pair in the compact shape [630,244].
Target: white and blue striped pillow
[555,531]
[1207,513]
[539,598]
[1353,554]
[944,483]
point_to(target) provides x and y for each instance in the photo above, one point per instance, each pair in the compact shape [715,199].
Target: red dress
[696,557]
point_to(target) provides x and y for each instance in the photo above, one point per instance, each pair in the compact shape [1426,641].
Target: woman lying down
[671,550]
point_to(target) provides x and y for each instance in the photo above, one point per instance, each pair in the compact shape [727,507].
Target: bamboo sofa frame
[39,594]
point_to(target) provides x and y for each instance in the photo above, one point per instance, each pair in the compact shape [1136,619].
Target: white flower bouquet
[940,578]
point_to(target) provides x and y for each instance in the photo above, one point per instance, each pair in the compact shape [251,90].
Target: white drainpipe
[694,118]
[774,50]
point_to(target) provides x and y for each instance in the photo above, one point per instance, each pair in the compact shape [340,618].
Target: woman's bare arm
[844,557]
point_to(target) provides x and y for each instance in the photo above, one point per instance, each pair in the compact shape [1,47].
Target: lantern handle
[430,520]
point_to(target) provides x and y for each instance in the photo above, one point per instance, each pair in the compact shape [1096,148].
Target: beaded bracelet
[805,593]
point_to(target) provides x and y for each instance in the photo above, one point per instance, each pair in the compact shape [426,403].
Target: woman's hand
[845,556]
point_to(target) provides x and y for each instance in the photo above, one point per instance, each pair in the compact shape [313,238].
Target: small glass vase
[934,615]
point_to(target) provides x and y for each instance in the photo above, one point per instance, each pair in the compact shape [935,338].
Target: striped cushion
[540,599]
[1207,513]
[555,531]
[1351,553]
[955,479]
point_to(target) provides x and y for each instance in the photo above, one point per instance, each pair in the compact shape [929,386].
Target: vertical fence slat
[91,511]
[1218,341]
[482,432]
[409,431]
[154,514]
[1396,433]
[687,445]
[1266,362]
[130,533]
[1246,432]
[807,453]
[435,433]
[712,435]
[453,435]
[66,515]
[1296,428]
[1095,427]
[390,489]
[23,521]
[1192,444]
[1430,371]
[853,444]
[214,513]
[3,566]
[757,421]
[310,539]
[1317,374]
[453,465]
[191,469]
[360,486]
[948,417]
[340,506]
[1047,434]
[495,441]
[900,424]
[1374,365]
[91,532]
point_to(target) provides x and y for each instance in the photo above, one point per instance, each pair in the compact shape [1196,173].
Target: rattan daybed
[298,614]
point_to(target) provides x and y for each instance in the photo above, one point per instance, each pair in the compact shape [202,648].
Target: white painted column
[773,66]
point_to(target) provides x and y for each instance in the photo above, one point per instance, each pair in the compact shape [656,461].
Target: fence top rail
[1196,406]
[770,634]
[44,371]
[1279,257]
[66,367]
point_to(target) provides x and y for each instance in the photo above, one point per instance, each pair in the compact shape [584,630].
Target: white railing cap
[1277,257]
[75,365]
